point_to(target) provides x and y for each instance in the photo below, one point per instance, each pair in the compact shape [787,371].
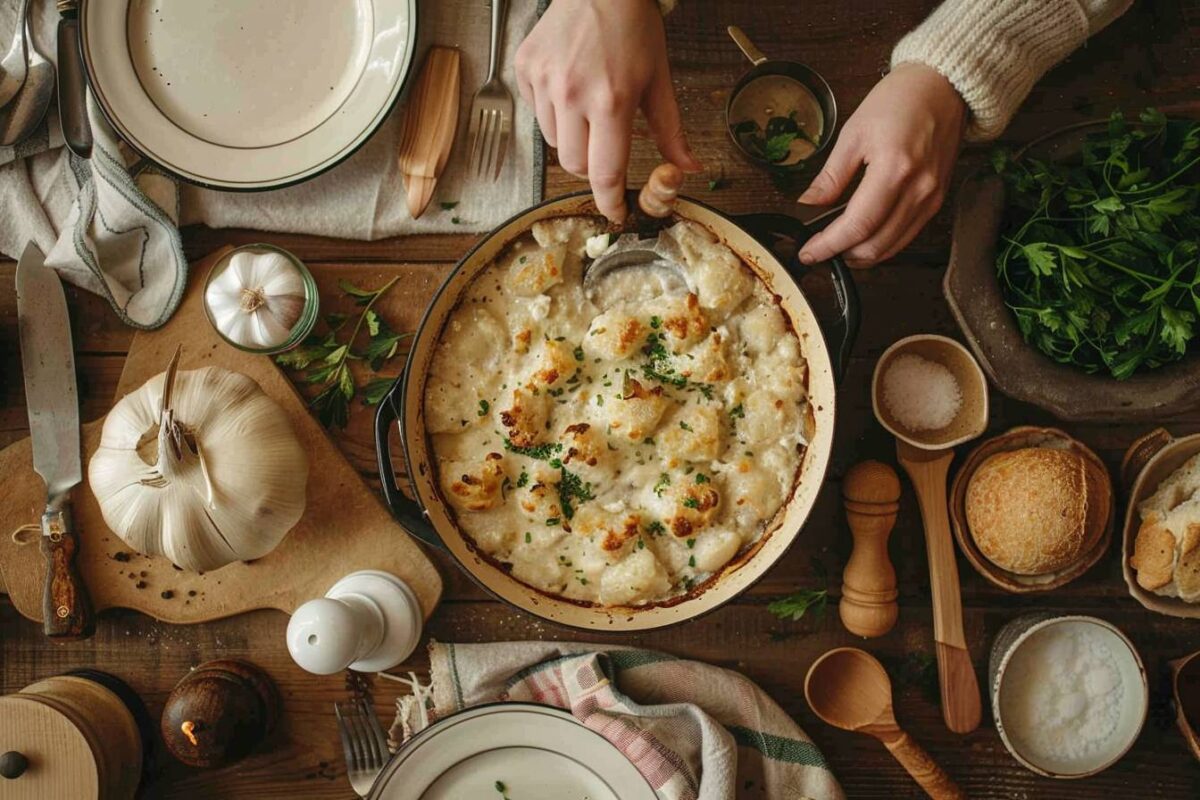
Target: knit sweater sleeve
[993,51]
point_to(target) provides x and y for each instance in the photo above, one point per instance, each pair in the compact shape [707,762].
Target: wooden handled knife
[48,363]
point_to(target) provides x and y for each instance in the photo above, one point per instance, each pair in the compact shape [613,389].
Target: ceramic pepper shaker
[871,495]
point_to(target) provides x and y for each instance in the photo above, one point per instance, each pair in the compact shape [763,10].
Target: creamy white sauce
[617,456]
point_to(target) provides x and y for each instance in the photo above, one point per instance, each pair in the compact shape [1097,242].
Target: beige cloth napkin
[694,731]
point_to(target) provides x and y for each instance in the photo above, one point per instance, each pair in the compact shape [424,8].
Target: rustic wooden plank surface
[1152,56]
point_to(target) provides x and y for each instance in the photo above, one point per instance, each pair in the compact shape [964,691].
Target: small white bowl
[1134,704]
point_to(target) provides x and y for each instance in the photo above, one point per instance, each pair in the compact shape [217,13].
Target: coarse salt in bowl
[1069,694]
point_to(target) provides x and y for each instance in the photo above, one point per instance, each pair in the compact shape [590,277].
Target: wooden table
[1152,56]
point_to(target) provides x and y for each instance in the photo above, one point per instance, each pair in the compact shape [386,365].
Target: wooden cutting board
[345,526]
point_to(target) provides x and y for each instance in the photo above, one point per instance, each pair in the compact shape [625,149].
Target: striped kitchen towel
[695,731]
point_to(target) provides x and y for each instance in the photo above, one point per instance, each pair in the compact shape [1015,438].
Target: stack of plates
[250,95]
[537,752]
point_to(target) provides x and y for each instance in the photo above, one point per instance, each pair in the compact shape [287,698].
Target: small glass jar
[222,307]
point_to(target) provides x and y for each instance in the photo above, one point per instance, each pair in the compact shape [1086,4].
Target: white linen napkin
[109,224]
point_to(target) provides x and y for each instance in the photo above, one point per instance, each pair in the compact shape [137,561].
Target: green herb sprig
[1100,256]
[325,359]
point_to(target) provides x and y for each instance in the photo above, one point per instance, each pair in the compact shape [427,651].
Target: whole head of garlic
[199,466]
[260,298]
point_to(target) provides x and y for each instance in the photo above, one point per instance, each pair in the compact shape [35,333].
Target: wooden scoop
[849,689]
[926,457]
[871,495]
[430,121]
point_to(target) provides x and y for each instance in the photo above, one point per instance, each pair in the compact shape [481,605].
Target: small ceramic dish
[971,419]
[1020,370]
[308,316]
[762,92]
[1147,463]
[1185,687]
[1132,706]
[1100,516]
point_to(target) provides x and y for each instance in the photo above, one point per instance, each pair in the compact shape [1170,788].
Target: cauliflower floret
[762,329]
[531,272]
[586,451]
[721,281]
[767,416]
[614,335]
[683,322]
[635,414]
[705,363]
[474,488]
[571,231]
[755,493]
[633,579]
[526,416]
[539,502]
[555,363]
[694,506]
[714,549]
[690,432]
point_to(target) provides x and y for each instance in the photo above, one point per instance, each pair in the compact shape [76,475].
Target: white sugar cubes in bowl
[1069,694]
[928,391]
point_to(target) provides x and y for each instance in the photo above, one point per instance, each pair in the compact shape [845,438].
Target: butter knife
[48,363]
[72,85]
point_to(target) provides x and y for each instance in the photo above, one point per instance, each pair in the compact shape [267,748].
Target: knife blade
[72,85]
[48,364]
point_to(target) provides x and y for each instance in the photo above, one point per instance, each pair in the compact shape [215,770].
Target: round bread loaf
[1027,509]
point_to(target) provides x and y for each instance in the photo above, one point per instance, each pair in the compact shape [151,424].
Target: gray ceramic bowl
[1019,370]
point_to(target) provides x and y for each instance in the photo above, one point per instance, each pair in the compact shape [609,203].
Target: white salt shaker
[369,621]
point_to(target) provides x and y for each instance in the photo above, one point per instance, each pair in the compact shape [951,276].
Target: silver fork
[491,111]
[363,742]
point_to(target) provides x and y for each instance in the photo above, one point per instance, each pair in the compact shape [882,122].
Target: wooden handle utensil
[430,122]
[927,469]
[870,494]
[657,198]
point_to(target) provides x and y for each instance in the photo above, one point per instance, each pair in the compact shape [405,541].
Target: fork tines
[363,740]
[489,133]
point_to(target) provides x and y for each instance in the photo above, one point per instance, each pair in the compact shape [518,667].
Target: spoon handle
[924,770]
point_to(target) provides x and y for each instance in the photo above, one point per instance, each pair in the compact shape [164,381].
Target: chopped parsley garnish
[700,478]
[503,790]
[656,528]
[541,452]
[483,408]
[528,537]
[599,399]
[737,412]
[571,490]
[641,545]
[691,543]
[685,426]
[655,322]
[448,205]
[552,521]
[578,353]
[648,440]
[691,561]
[522,479]
[664,480]
[691,502]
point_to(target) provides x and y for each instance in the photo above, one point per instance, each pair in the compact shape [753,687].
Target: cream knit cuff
[993,51]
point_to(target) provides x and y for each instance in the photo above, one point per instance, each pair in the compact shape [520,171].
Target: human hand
[907,134]
[586,68]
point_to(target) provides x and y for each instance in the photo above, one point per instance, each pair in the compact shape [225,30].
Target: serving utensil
[363,742]
[72,86]
[849,689]
[926,457]
[48,362]
[491,111]
[20,118]
[12,66]
[430,122]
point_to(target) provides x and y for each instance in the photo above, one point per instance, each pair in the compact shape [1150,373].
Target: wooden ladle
[849,689]
[926,456]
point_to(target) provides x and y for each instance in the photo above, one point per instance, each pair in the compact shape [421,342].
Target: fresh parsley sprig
[325,359]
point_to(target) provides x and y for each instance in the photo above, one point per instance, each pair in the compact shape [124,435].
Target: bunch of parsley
[1098,256]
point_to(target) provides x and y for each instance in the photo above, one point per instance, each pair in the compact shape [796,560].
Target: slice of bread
[1166,552]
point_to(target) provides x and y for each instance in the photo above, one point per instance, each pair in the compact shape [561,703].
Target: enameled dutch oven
[752,237]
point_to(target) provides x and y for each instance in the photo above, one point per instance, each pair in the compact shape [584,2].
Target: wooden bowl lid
[61,762]
[1100,515]
[219,712]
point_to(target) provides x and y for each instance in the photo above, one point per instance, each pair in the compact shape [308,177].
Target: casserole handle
[775,229]
[407,512]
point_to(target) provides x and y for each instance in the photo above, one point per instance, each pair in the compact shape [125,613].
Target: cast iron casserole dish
[752,237]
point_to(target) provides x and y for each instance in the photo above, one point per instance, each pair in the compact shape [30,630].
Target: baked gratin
[624,455]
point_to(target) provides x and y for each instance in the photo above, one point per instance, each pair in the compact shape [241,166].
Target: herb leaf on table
[1099,257]
[324,359]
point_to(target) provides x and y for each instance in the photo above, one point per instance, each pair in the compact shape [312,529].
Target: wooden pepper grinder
[871,494]
[219,712]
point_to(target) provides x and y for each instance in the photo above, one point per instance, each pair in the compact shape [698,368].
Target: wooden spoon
[926,457]
[849,689]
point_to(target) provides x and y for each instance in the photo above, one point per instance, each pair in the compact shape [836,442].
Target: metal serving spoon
[25,113]
[657,258]
[12,66]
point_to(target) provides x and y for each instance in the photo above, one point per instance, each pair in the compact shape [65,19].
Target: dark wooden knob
[219,712]
[13,765]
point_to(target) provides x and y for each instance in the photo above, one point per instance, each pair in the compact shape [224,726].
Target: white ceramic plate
[252,94]
[537,752]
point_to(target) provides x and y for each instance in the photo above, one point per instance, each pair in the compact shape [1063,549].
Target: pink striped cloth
[695,731]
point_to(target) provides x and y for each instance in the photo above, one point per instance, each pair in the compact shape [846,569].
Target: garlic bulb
[257,299]
[199,466]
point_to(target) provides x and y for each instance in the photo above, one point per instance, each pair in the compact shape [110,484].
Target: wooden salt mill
[219,712]
[871,495]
